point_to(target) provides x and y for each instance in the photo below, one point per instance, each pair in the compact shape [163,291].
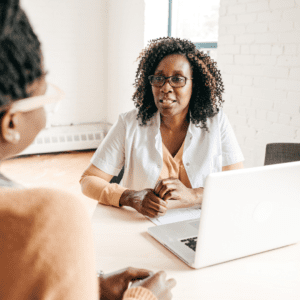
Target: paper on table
[178,214]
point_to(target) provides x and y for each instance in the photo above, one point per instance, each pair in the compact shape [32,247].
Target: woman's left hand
[174,189]
[112,286]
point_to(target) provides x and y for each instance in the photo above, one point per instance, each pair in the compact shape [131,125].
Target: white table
[121,240]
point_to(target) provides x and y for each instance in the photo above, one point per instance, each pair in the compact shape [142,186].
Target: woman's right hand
[145,202]
[158,285]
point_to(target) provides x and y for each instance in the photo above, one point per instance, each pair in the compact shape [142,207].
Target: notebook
[244,212]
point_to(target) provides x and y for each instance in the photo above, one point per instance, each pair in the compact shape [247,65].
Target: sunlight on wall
[195,20]
[156,19]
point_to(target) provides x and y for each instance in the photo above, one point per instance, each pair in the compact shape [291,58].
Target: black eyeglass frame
[170,81]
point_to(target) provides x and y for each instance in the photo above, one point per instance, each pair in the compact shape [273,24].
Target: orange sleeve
[99,189]
[138,293]
[111,194]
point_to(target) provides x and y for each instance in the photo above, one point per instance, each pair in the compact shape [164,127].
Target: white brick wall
[259,57]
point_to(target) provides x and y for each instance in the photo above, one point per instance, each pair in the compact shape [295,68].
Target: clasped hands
[153,202]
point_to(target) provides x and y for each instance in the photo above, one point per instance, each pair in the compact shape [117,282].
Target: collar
[158,140]
[193,130]
[155,122]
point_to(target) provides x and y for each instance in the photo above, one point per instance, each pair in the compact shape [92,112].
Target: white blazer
[139,149]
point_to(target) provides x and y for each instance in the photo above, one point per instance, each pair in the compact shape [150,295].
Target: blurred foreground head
[21,76]
[20,53]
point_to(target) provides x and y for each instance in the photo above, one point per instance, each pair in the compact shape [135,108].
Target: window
[197,21]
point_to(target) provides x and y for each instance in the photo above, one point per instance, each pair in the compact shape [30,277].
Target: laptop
[244,212]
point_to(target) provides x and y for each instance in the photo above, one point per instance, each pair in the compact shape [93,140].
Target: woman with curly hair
[176,136]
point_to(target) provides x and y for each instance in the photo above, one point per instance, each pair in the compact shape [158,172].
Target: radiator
[68,138]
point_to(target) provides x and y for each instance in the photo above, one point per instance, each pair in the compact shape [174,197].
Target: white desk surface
[121,240]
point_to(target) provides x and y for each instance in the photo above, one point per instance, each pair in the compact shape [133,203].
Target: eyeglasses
[174,81]
[52,96]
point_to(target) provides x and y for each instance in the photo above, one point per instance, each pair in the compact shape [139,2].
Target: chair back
[277,153]
[117,179]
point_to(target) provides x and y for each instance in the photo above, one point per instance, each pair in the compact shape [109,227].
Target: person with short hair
[177,135]
[46,245]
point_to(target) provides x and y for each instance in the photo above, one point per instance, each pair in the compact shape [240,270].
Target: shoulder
[218,121]
[125,120]
[130,121]
[213,123]
[222,116]
[38,201]
[130,116]
[219,116]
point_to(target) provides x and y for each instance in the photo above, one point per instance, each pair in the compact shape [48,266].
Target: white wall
[259,57]
[73,34]
[132,23]
[90,49]
[156,19]
[125,41]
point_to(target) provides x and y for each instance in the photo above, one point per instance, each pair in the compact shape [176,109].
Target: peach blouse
[173,166]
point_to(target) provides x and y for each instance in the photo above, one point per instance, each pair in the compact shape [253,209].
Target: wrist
[198,195]
[125,199]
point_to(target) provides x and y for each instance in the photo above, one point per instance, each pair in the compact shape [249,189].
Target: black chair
[278,153]
[117,179]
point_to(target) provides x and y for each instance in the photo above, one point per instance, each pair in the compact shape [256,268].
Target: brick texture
[259,43]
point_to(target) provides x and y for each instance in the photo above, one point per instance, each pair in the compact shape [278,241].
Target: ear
[9,127]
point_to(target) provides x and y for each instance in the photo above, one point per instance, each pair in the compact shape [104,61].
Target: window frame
[199,45]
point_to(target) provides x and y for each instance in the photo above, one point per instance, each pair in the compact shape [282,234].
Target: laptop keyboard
[191,242]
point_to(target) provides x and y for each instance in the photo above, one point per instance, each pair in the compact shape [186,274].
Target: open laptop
[244,212]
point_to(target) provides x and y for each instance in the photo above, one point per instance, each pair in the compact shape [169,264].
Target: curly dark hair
[208,86]
[20,53]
